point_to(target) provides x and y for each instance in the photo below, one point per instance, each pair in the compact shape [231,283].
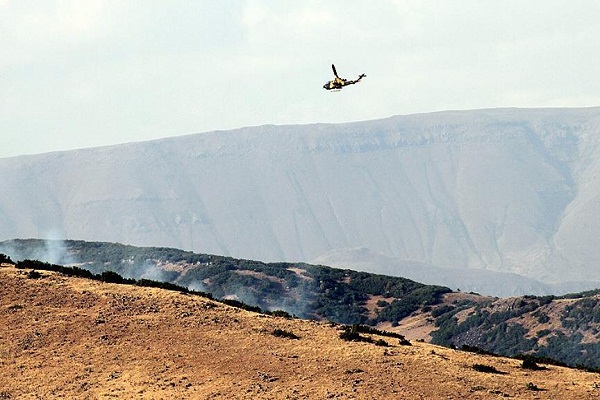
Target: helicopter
[338,83]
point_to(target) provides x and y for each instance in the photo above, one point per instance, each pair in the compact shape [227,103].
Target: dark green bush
[279,313]
[529,363]
[4,259]
[161,285]
[404,342]
[113,277]
[543,318]
[540,359]
[33,274]
[374,331]
[351,334]
[532,386]
[439,311]
[35,264]
[285,334]
[239,304]
[486,368]
[476,350]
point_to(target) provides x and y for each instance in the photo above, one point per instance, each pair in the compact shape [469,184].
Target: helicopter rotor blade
[334,71]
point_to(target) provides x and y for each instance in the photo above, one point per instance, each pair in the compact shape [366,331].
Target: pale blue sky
[83,73]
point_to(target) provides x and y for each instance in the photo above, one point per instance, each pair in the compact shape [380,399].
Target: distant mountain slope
[485,281]
[566,329]
[66,337]
[308,291]
[507,190]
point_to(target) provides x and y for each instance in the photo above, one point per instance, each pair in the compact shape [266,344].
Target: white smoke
[52,251]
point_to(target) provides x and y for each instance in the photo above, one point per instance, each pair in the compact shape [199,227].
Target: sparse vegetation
[373,331]
[487,369]
[4,259]
[542,318]
[4,395]
[382,303]
[343,296]
[352,334]
[286,368]
[439,311]
[70,271]
[583,312]
[476,350]
[285,334]
[113,277]
[529,363]
[500,330]
[541,360]
[543,332]
[240,304]
[322,293]
[33,274]
[170,286]
[532,386]
[280,314]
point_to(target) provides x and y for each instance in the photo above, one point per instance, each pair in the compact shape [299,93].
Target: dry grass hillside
[65,337]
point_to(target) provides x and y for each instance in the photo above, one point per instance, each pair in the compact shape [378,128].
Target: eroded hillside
[565,329]
[78,338]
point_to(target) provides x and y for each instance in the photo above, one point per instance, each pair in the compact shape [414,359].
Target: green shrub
[543,332]
[113,277]
[350,334]
[439,311]
[476,350]
[285,334]
[279,313]
[486,368]
[240,304]
[4,259]
[529,363]
[374,331]
[33,274]
[533,386]
[543,318]
[36,264]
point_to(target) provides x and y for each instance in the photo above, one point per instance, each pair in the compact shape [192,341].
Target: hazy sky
[83,73]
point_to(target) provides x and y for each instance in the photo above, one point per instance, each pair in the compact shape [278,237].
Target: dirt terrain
[65,337]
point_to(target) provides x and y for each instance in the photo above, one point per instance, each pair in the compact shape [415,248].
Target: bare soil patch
[64,337]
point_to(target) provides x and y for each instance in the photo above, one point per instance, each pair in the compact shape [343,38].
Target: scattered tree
[4,259]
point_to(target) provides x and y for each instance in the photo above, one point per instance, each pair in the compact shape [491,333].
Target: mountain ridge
[507,190]
[565,328]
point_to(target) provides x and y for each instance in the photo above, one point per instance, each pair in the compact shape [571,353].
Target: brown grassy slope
[63,337]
